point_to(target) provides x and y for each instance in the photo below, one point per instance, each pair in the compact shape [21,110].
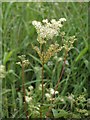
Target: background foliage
[17,36]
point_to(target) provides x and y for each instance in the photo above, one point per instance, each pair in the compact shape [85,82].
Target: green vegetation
[58,87]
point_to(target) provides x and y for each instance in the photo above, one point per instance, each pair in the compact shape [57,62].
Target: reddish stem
[24,92]
[62,71]
[56,87]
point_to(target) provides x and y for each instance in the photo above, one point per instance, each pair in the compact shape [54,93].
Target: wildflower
[53,48]
[81,98]
[18,63]
[56,92]
[2,71]
[52,91]
[62,100]
[68,44]
[62,19]
[84,111]
[40,86]
[30,87]
[60,59]
[22,57]
[29,93]
[47,30]
[50,63]
[24,61]
[28,99]
[71,97]
[48,96]
[62,34]
[45,21]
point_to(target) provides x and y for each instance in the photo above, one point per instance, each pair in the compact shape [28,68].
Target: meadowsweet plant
[67,46]
[56,82]
[33,100]
[46,32]
[24,63]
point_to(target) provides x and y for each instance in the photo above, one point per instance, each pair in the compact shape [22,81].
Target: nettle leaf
[76,116]
[55,113]
[60,113]
[63,113]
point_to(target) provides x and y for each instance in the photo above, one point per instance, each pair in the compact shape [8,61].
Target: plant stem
[56,87]
[24,93]
[62,71]
[42,83]
[6,101]
[42,86]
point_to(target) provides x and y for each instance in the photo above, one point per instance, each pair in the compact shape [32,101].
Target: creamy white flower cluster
[68,43]
[47,30]
[29,94]
[2,72]
[50,93]
[45,56]
[23,61]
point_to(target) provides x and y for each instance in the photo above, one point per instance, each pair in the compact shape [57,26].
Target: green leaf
[49,72]
[55,113]
[76,116]
[36,59]
[82,53]
[63,113]
[7,56]
[5,91]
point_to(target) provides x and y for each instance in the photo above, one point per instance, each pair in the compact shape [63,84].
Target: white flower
[30,87]
[50,63]
[28,99]
[62,19]
[40,86]
[62,100]
[52,91]
[35,23]
[56,92]
[47,30]
[2,71]
[48,96]
[67,63]
[60,59]
[53,21]
[45,21]
[71,97]
[18,63]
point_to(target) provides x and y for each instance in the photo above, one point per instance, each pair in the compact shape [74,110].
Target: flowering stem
[56,87]
[62,71]
[24,93]
[42,75]
[42,83]
[42,86]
